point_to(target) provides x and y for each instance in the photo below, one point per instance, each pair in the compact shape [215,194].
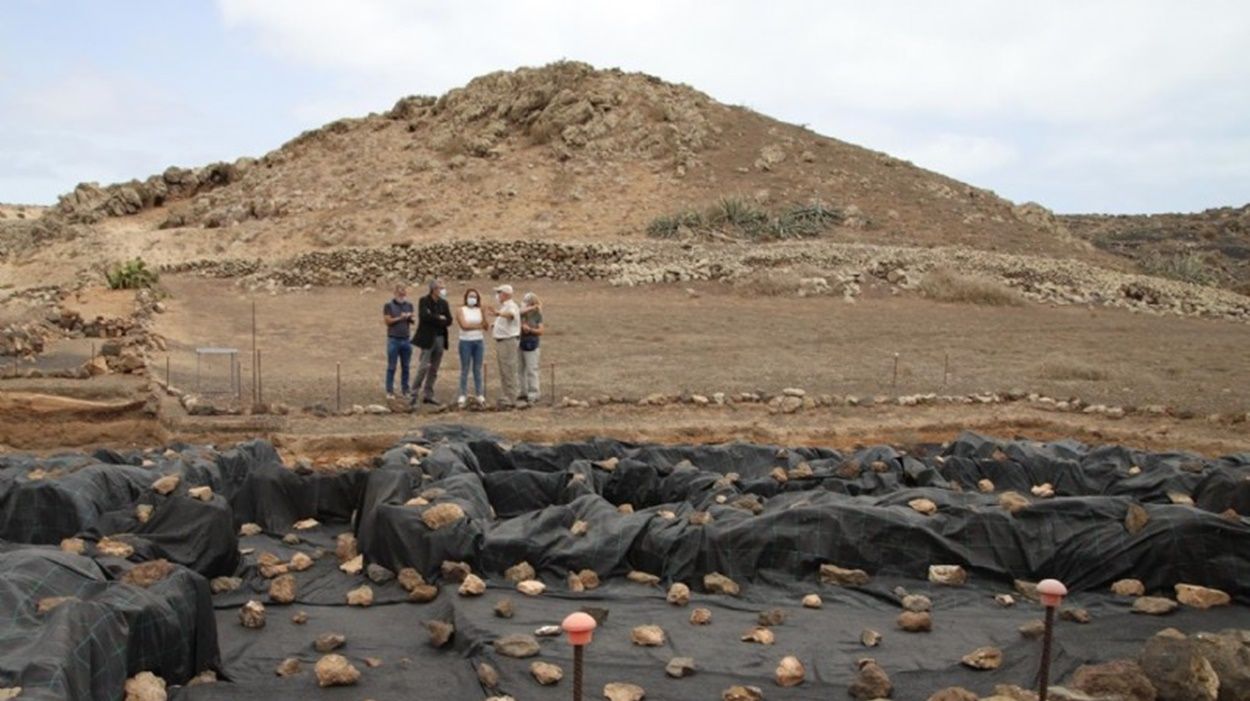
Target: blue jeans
[471,355]
[397,349]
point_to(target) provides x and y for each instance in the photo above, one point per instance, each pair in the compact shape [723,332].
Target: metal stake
[894,382]
[946,368]
[553,383]
[338,387]
[260,379]
[577,672]
[1044,673]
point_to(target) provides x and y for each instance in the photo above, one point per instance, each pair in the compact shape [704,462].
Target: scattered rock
[950,575]
[345,547]
[1121,679]
[299,618]
[589,579]
[224,585]
[742,693]
[487,675]
[923,506]
[1005,600]
[647,636]
[252,614]
[917,602]
[869,638]
[546,673]
[985,486]
[111,547]
[1154,605]
[518,646]
[288,667]
[148,573]
[49,603]
[678,594]
[759,634]
[305,524]
[423,593]
[520,572]
[1177,669]
[531,587]
[1128,587]
[579,528]
[378,574]
[472,585]
[250,529]
[300,562]
[1075,615]
[329,642]
[915,621]
[680,667]
[145,686]
[1033,629]
[77,546]
[832,574]
[1013,501]
[409,579]
[622,691]
[455,571]
[790,672]
[440,515]
[440,632]
[166,485]
[354,565]
[1135,518]
[983,658]
[203,493]
[504,608]
[638,577]
[1201,597]
[360,596]
[335,670]
[143,512]
[1045,490]
[717,583]
[871,682]
[282,589]
[812,601]
[700,617]
[291,539]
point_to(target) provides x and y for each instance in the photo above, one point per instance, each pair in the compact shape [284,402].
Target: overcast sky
[1111,105]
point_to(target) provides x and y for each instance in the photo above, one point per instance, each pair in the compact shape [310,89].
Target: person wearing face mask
[507,335]
[472,345]
[433,317]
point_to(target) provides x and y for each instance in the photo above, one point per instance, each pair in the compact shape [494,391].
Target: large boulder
[1178,670]
[1122,679]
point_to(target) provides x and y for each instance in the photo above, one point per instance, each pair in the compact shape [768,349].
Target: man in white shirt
[507,335]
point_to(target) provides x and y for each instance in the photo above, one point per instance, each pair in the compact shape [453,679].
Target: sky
[1128,106]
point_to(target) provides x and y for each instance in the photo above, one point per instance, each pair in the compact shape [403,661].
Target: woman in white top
[472,322]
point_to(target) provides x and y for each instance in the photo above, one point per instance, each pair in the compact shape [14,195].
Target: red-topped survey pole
[1051,592]
[580,627]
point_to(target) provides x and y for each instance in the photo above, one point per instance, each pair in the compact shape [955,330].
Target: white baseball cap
[506,289]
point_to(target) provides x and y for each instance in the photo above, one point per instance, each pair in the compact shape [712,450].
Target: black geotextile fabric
[87,646]
[520,502]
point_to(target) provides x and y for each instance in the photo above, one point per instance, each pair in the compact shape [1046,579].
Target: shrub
[131,275]
[1186,267]
[738,217]
[947,286]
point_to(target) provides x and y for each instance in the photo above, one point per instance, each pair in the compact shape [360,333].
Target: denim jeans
[471,355]
[397,349]
[427,370]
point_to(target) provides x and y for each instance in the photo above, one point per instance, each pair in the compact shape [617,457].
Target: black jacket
[429,325]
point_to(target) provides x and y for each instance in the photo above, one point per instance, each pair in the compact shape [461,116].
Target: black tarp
[521,500]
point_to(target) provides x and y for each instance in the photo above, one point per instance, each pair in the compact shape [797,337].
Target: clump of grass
[944,285]
[1186,267]
[739,217]
[1063,369]
[131,275]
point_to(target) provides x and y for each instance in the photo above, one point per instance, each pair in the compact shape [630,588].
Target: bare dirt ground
[617,341]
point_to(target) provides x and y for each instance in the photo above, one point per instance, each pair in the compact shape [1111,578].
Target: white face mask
[442,292]
[472,300]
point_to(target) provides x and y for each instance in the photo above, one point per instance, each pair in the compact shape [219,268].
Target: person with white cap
[507,335]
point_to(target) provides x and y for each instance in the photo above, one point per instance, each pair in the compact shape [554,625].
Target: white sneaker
[460,402]
[389,396]
[481,400]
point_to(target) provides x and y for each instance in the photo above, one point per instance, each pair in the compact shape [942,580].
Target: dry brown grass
[944,285]
[1066,369]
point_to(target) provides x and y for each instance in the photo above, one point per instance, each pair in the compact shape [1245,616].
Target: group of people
[515,328]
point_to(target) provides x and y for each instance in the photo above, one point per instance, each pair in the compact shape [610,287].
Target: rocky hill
[1210,247]
[562,153]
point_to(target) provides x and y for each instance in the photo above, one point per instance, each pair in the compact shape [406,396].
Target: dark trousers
[427,369]
[398,350]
